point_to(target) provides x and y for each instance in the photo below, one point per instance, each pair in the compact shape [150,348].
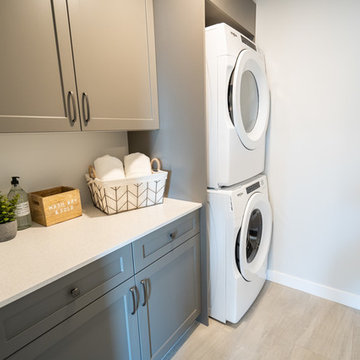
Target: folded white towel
[137,165]
[109,168]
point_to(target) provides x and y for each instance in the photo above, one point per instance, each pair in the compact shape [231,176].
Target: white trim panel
[323,291]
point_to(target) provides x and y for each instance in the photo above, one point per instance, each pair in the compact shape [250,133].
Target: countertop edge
[48,281]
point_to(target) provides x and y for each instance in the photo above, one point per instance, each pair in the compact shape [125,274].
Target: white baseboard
[323,291]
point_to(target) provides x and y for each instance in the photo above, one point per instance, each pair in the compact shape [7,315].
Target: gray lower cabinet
[105,329]
[169,298]
[134,303]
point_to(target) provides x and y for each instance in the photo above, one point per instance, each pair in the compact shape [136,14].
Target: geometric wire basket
[113,197]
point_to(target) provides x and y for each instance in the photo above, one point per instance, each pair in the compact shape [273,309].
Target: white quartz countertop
[40,255]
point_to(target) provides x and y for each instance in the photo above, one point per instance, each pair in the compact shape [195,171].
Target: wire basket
[113,197]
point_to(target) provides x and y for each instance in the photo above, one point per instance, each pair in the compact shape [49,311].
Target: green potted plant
[8,223]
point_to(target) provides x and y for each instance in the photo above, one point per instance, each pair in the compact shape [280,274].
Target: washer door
[254,236]
[249,98]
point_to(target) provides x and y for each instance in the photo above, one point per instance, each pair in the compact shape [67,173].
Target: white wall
[313,160]
[54,159]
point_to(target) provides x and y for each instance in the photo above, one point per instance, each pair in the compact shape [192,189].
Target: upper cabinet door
[37,85]
[114,60]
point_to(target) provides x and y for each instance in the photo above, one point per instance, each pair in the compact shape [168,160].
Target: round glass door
[249,98]
[253,239]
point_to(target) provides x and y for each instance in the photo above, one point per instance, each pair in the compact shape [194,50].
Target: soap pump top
[14,180]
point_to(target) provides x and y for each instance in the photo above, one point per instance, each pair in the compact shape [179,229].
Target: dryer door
[249,98]
[254,236]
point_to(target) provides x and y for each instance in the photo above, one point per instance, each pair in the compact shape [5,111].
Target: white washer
[240,225]
[238,101]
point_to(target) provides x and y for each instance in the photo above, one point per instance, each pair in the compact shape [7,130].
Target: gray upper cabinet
[77,65]
[113,44]
[34,79]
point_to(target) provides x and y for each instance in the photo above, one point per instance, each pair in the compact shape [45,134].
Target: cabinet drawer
[27,318]
[151,247]
[105,329]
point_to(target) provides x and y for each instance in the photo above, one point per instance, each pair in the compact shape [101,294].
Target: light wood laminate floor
[283,323]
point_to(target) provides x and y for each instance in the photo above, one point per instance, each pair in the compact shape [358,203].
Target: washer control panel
[253,187]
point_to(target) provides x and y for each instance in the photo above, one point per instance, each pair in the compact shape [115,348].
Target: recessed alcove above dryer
[239,14]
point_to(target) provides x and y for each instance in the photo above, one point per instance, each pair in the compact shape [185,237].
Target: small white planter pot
[8,231]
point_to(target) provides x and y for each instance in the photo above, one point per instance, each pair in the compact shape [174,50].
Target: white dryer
[239,226]
[238,101]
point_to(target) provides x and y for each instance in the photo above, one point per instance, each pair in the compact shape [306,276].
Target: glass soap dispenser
[22,211]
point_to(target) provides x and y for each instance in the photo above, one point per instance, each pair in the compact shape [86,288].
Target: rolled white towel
[109,168]
[137,165]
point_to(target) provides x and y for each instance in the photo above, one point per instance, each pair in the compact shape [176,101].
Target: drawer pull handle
[144,285]
[75,292]
[135,299]
[172,235]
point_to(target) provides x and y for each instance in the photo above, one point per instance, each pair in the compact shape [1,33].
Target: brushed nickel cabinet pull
[135,299]
[85,98]
[144,285]
[71,107]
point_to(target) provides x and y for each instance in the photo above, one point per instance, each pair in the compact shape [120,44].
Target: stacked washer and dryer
[239,213]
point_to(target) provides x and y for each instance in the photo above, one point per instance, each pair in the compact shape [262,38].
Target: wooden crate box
[51,206]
